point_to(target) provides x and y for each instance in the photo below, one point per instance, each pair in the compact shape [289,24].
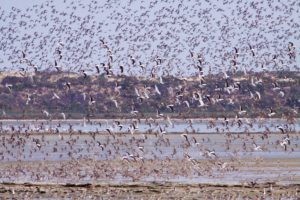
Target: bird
[256,147]
[157,90]
[91,101]
[281,129]
[271,112]
[46,113]
[55,96]
[242,111]
[28,99]
[63,115]
[68,84]
[97,68]
[284,143]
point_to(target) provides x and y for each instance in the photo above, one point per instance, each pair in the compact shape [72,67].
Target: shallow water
[36,156]
[173,126]
[66,146]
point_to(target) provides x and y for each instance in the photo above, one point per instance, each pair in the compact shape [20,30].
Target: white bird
[187,103]
[223,165]
[157,90]
[231,102]
[141,148]
[242,111]
[55,96]
[28,99]
[137,92]
[9,86]
[118,123]
[162,131]
[3,113]
[46,113]
[201,101]
[251,95]
[285,142]
[281,94]
[258,95]
[92,101]
[169,121]
[63,115]
[256,147]
[275,86]
[280,128]
[134,111]
[271,113]
[110,130]
[116,103]
[184,135]
[252,82]
[161,80]
[131,129]
[225,75]
[84,96]
[193,161]
[211,154]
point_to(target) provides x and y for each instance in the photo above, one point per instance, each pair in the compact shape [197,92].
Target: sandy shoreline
[149,191]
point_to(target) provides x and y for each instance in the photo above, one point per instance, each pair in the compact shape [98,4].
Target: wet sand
[87,171]
[149,191]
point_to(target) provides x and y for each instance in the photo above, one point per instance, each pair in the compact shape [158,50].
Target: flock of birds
[156,155]
[149,39]
[146,38]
